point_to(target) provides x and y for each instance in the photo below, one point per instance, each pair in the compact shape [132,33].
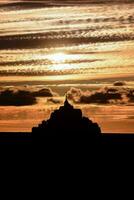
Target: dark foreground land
[28,139]
[15,138]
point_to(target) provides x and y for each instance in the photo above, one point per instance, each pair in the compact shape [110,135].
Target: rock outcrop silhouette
[67,120]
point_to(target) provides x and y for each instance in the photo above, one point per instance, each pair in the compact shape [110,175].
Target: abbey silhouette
[67,121]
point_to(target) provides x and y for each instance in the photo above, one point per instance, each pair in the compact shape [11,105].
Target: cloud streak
[66,2]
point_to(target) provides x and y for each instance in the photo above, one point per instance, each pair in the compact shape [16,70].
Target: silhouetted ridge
[67,120]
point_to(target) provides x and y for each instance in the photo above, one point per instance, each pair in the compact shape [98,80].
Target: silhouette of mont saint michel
[67,120]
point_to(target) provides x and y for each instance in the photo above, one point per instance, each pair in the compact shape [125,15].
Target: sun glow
[58,57]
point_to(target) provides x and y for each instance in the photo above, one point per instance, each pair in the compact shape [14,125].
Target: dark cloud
[23,95]
[102,97]
[44,92]
[24,4]
[119,83]
[18,98]
[130,95]
[107,95]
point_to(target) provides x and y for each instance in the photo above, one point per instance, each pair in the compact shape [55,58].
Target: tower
[67,104]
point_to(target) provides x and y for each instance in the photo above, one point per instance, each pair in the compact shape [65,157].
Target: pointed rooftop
[67,104]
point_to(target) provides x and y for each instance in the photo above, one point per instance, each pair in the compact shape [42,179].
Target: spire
[66,103]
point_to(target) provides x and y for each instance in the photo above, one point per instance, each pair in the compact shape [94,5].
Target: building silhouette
[67,121]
